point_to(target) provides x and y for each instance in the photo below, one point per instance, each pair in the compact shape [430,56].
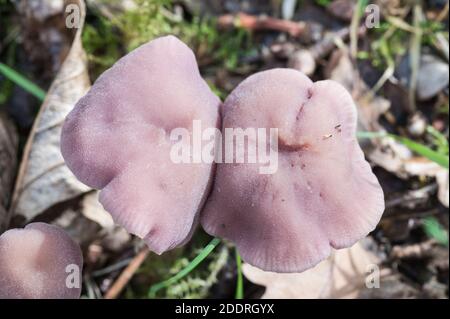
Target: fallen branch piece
[127,274]
[259,23]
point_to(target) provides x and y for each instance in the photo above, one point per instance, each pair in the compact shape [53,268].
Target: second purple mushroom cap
[323,193]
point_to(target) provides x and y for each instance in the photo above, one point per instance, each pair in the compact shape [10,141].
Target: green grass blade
[425,151]
[435,230]
[240,279]
[185,271]
[418,148]
[20,80]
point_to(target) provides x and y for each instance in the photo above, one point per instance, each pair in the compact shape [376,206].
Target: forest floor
[396,70]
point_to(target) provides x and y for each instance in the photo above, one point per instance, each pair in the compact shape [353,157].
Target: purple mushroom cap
[117,139]
[323,194]
[39,262]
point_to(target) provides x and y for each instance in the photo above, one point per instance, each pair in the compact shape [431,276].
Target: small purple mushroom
[117,139]
[323,194]
[39,262]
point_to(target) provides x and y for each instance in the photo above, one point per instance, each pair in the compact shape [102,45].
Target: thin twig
[260,23]
[127,274]
[121,264]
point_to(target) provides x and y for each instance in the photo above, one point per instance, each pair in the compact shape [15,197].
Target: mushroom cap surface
[323,194]
[117,139]
[39,261]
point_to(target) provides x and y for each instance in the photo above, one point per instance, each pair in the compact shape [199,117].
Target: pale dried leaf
[43,179]
[391,155]
[88,222]
[81,229]
[93,210]
[342,275]
[442,180]
[399,160]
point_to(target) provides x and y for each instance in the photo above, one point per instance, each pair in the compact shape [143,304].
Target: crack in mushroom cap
[34,261]
[117,139]
[323,195]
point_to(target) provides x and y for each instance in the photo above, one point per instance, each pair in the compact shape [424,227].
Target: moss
[195,285]
[102,44]
[106,40]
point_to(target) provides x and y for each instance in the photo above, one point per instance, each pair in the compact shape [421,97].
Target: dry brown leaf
[399,160]
[342,275]
[86,222]
[8,163]
[43,179]
[81,229]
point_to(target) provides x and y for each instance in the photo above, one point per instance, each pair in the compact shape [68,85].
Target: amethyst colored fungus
[39,262]
[322,195]
[117,139]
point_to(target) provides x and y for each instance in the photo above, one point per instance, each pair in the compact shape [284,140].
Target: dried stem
[127,274]
[259,23]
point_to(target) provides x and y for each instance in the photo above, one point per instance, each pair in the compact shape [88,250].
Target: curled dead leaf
[342,275]
[43,179]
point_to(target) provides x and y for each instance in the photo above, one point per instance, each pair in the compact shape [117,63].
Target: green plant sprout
[240,280]
[434,230]
[185,271]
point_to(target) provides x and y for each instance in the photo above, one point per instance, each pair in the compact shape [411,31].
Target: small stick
[127,274]
[258,23]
